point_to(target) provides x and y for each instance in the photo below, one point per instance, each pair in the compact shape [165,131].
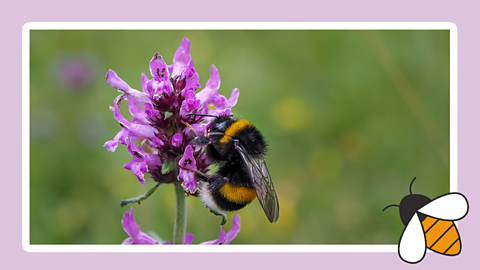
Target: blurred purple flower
[223,239]
[161,127]
[74,72]
[137,237]
[226,238]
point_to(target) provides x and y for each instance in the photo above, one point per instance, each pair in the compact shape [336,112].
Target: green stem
[180,226]
[140,198]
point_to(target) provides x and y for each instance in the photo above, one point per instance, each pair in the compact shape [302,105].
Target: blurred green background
[350,117]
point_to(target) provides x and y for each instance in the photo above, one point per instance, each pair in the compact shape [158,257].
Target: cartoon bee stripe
[429,224]
[454,249]
[445,240]
[437,231]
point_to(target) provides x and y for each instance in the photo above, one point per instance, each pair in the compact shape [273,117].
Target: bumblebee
[429,224]
[238,148]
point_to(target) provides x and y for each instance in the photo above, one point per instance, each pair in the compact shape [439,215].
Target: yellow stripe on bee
[237,194]
[234,129]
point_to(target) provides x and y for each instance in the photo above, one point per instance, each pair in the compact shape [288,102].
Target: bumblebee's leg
[191,131]
[201,176]
[197,140]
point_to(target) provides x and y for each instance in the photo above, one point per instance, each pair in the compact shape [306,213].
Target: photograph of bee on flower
[233,137]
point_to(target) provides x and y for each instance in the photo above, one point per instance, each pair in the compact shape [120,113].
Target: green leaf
[168,115]
[168,166]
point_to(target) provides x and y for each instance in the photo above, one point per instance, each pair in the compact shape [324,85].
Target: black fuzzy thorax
[248,136]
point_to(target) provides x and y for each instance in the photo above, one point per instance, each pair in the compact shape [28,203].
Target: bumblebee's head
[221,123]
[410,205]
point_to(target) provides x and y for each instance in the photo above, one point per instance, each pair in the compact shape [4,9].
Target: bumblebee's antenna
[412,184]
[201,114]
[209,115]
[390,206]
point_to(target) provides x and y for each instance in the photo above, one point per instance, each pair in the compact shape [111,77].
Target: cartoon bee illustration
[239,149]
[429,224]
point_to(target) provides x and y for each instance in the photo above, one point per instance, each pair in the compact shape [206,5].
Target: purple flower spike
[137,237]
[163,107]
[223,238]
[177,140]
[188,162]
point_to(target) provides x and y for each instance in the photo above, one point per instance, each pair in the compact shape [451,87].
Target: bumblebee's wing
[412,245]
[257,169]
[451,206]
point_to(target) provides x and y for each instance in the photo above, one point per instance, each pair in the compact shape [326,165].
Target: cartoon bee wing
[412,246]
[451,206]
[257,169]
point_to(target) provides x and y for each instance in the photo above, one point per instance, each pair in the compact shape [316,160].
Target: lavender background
[462,13]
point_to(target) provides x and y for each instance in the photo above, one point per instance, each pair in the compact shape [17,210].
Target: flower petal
[156,141]
[188,162]
[144,83]
[158,68]
[182,58]
[209,94]
[138,168]
[177,140]
[190,103]
[189,238]
[234,230]
[214,81]
[132,229]
[120,137]
[150,111]
[223,103]
[116,82]
[129,224]
[139,115]
[220,241]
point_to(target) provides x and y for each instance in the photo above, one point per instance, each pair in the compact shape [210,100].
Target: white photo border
[221,26]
